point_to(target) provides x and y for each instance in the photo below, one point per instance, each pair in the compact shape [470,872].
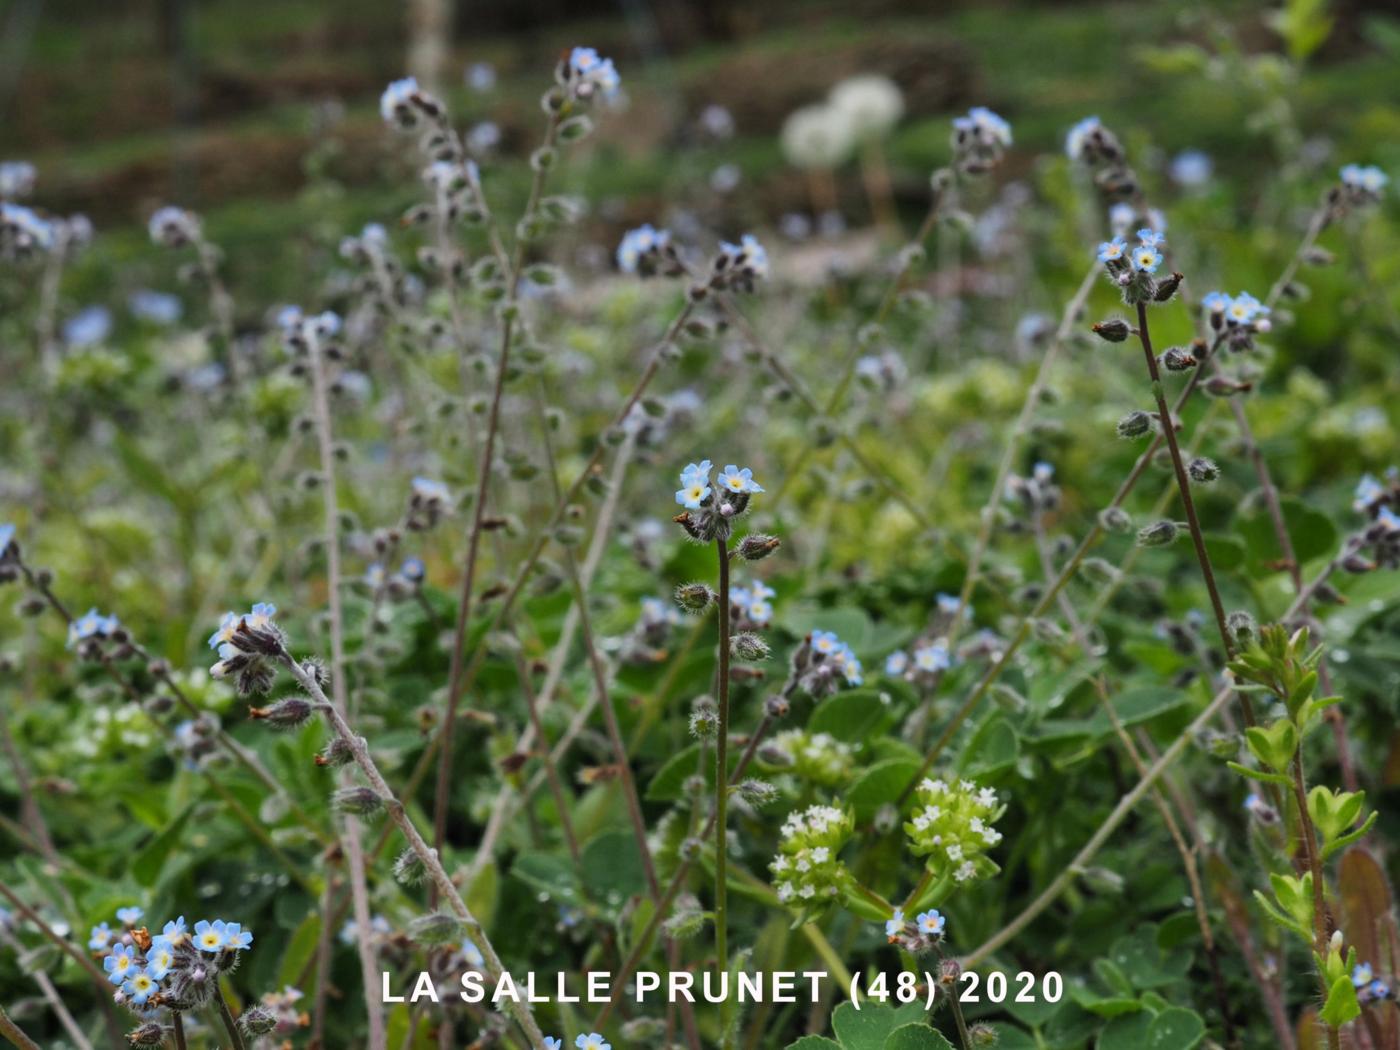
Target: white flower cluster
[818,758]
[806,869]
[952,825]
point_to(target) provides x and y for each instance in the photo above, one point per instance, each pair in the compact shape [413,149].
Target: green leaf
[1137,705]
[1310,530]
[149,861]
[851,625]
[869,1027]
[612,868]
[851,716]
[917,1036]
[1175,1028]
[300,948]
[882,783]
[992,748]
[549,873]
[814,1042]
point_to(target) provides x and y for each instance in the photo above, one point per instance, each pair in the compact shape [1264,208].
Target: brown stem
[14,1033]
[722,766]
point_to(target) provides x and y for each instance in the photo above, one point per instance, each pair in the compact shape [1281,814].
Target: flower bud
[409,868]
[776,707]
[1114,330]
[757,792]
[147,1035]
[291,712]
[1115,519]
[436,929]
[684,924]
[359,801]
[694,597]
[1166,288]
[336,753]
[981,1036]
[1177,359]
[1134,425]
[756,546]
[1158,534]
[257,1020]
[1203,470]
[748,647]
[1242,628]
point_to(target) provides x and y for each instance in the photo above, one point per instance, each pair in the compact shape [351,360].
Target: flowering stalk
[1183,484]
[456,676]
[1128,801]
[231,1023]
[722,764]
[1018,432]
[350,839]
[545,534]
[447,890]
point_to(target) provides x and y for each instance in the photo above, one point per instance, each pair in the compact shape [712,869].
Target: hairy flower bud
[291,712]
[748,647]
[1203,469]
[435,929]
[257,1020]
[694,597]
[1134,425]
[1115,519]
[409,868]
[757,546]
[1114,330]
[1178,359]
[1242,627]
[336,753]
[757,792]
[359,801]
[1158,534]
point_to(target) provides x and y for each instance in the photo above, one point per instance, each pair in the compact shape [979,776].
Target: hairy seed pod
[1158,534]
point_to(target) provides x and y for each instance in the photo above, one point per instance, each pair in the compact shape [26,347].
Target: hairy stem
[350,839]
[722,766]
[447,890]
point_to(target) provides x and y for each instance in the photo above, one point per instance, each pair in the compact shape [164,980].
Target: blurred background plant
[156,488]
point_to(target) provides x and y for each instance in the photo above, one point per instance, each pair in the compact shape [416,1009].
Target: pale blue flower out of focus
[88,326]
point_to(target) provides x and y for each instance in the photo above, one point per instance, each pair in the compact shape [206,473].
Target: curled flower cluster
[244,644]
[648,252]
[823,663]
[23,233]
[585,75]
[172,227]
[718,505]
[1369,987]
[89,631]
[1090,143]
[1377,501]
[980,139]
[405,105]
[176,969]
[922,665]
[17,179]
[750,607]
[1037,493]
[1363,184]
[1239,318]
[921,935]
[739,266]
[646,642]
[1131,267]
[952,826]
[818,758]
[807,870]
